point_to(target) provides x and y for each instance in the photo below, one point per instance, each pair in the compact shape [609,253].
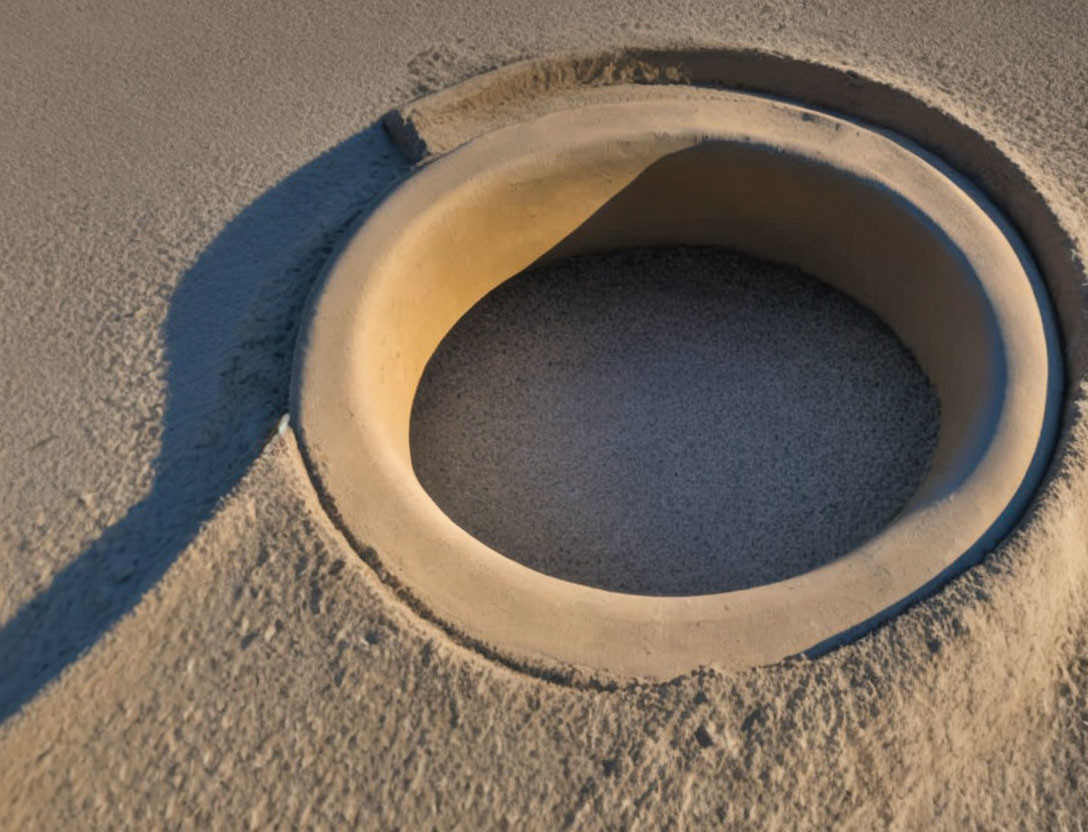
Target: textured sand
[671,422]
[206,652]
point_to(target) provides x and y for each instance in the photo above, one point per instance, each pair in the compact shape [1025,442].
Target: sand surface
[672,422]
[185,642]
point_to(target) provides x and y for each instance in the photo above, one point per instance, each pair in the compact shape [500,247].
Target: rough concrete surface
[185,641]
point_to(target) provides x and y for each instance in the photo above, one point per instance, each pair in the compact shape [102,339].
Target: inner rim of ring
[854,235]
[671,421]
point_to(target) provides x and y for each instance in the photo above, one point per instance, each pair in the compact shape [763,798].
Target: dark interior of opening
[671,421]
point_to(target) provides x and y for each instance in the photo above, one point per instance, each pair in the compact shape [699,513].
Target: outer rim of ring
[654,653]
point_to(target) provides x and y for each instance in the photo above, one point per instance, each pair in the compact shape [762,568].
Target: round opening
[671,421]
[861,210]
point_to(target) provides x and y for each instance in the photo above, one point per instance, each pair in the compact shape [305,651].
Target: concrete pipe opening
[860,209]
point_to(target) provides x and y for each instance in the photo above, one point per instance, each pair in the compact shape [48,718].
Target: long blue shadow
[229,337]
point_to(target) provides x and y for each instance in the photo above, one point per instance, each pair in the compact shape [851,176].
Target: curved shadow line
[228,345]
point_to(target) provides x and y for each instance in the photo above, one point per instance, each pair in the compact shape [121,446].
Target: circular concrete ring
[861,209]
